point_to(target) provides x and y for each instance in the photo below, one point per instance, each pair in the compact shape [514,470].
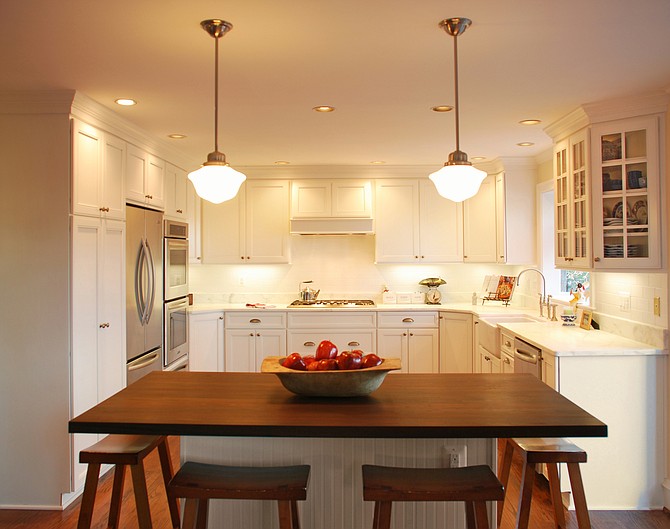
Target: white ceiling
[382,63]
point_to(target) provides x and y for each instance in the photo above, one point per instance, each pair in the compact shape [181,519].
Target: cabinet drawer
[336,319]
[507,344]
[254,319]
[407,319]
[305,342]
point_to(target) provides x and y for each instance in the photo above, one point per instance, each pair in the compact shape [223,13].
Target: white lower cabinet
[98,320]
[506,353]
[489,363]
[456,342]
[205,341]
[411,336]
[346,329]
[250,337]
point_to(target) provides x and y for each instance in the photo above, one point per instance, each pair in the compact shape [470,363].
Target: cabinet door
[506,363]
[222,231]
[136,173]
[456,343]
[485,363]
[176,200]
[397,222]
[155,183]
[626,194]
[305,341]
[113,200]
[392,343]
[562,253]
[205,341]
[501,246]
[310,198]
[549,371]
[86,169]
[440,226]
[351,198]
[240,350]
[267,221]
[194,210]
[479,225]
[423,354]
[269,342]
[580,185]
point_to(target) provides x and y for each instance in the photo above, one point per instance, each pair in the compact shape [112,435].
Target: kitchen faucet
[544,300]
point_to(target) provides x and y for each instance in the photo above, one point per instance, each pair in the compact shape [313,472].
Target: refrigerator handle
[139,283]
[151,295]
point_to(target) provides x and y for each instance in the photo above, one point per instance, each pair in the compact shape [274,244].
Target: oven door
[176,268]
[176,331]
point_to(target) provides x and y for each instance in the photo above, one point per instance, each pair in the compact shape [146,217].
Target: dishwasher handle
[526,352]
[525,357]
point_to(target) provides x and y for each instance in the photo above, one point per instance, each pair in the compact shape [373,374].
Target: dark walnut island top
[405,406]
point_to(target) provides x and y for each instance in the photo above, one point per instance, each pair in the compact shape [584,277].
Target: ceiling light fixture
[530,122]
[216,181]
[458,180]
[323,108]
[125,102]
[525,144]
[176,136]
[442,108]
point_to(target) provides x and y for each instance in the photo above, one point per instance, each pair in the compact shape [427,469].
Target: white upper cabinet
[98,162]
[626,194]
[194,209]
[253,227]
[176,195]
[145,178]
[414,224]
[340,198]
[479,225]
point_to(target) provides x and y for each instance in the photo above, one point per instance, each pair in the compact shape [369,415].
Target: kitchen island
[412,420]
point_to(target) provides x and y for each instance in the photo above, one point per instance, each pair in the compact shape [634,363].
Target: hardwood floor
[540,516]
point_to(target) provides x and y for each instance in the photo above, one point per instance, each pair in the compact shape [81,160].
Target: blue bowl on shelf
[569,319]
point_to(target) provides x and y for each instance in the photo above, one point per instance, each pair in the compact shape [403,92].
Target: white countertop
[551,337]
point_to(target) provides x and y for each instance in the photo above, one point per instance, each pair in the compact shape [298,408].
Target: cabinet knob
[404,334]
[251,334]
[104,325]
[408,320]
[248,257]
[411,334]
[465,257]
[487,359]
[242,257]
[148,196]
[254,320]
[179,211]
[506,360]
[508,343]
[423,257]
[353,344]
[596,259]
[258,334]
[309,344]
[220,317]
[104,209]
[198,258]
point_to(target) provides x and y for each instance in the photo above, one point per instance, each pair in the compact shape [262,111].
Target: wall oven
[176,334]
[175,260]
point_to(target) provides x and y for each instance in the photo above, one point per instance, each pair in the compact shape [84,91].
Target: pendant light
[216,181]
[458,180]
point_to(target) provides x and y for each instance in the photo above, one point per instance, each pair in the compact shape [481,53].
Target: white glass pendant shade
[458,182]
[216,183]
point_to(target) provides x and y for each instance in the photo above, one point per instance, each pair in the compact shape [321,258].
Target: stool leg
[141,495]
[88,497]
[295,519]
[382,515]
[583,521]
[168,474]
[481,515]
[190,513]
[203,509]
[470,521]
[117,496]
[284,509]
[506,465]
[525,495]
[555,492]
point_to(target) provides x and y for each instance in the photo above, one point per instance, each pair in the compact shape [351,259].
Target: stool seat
[473,485]
[551,452]
[199,482]
[122,451]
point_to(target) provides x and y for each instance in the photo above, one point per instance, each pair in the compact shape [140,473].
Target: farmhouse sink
[494,319]
[487,330]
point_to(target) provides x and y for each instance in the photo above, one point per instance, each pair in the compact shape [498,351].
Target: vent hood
[332,226]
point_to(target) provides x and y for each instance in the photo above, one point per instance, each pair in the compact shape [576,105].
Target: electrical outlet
[455,456]
[624,301]
[657,306]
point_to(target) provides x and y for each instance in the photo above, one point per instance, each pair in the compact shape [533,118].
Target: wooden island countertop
[405,406]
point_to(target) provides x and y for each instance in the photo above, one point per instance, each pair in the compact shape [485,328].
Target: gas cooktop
[334,303]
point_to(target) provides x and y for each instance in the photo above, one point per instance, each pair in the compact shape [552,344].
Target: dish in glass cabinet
[640,211]
[617,210]
[349,383]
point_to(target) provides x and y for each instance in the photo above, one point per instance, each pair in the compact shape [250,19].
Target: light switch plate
[657,306]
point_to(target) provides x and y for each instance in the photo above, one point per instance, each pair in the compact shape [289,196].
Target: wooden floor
[540,516]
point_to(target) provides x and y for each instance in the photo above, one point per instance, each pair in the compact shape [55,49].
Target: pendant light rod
[456,105]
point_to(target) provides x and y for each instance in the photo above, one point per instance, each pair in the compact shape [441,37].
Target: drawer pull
[353,344]
[254,320]
[508,343]
[309,344]
[408,320]
[507,360]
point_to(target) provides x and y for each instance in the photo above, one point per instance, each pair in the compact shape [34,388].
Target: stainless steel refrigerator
[144,292]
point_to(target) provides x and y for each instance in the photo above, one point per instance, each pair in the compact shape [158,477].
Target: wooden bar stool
[550,451]
[122,451]
[200,482]
[473,485]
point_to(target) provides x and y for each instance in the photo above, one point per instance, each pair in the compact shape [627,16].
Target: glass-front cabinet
[626,194]
[572,202]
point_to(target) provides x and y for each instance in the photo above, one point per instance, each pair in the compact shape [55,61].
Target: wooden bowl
[353,383]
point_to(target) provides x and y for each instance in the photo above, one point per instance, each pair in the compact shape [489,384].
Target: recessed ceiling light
[323,108]
[282,162]
[377,162]
[442,108]
[125,102]
[478,158]
[530,122]
[525,144]
[177,136]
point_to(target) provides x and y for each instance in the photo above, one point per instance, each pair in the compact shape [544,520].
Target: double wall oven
[175,290]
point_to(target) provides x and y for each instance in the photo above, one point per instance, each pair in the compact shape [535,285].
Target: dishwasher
[527,358]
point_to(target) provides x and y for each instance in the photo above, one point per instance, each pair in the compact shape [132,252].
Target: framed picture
[585,320]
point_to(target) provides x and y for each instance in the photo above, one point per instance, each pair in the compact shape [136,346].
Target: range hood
[332,226]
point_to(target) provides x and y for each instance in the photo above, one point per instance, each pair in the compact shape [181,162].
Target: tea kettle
[307,293]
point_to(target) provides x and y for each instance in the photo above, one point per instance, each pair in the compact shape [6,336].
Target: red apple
[326,349]
[371,360]
[294,361]
[326,364]
[348,360]
[308,359]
